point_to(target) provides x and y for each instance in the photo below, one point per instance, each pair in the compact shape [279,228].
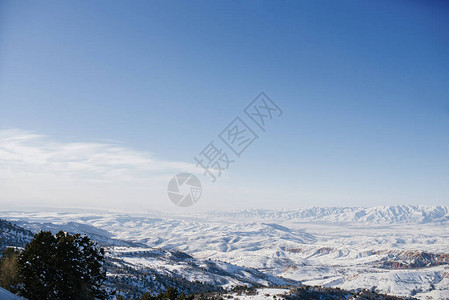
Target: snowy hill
[134,270]
[102,237]
[5,295]
[399,250]
[378,215]
[13,235]
[149,269]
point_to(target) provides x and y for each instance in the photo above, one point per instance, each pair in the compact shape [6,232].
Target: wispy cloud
[34,166]
[29,152]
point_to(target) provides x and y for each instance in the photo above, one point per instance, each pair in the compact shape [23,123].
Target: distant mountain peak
[379,214]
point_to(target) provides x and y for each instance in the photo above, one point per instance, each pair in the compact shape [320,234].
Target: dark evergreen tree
[147,296]
[171,293]
[63,266]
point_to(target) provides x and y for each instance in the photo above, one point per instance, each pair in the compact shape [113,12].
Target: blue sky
[363,87]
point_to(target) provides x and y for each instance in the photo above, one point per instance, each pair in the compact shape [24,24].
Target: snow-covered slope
[401,250]
[135,270]
[12,235]
[378,215]
[6,295]
[102,237]
[150,269]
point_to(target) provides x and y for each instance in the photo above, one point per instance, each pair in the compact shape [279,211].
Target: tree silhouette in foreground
[61,266]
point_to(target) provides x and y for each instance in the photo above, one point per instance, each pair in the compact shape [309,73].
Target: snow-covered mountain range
[378,215]
[12,235]
[400,250]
